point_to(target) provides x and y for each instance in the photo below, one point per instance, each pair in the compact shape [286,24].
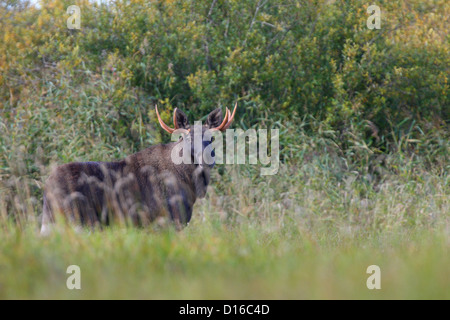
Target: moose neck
[196,175]
[158,158]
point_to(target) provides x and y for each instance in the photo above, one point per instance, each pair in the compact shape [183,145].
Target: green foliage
[370,101]
[286,58]
[312,69]
[363,118]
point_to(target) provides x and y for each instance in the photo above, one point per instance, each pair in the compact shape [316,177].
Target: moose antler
[226,123]
[165,126]
[230,117]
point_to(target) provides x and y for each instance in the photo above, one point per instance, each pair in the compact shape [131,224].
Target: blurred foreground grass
[216,262]
[281,256]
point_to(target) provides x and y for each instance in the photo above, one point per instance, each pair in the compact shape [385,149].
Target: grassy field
[214,261]
[317,243]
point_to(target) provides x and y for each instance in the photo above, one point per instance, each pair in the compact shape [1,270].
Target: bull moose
[139,189]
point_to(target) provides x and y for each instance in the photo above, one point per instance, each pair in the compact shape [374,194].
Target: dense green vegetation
[363,118]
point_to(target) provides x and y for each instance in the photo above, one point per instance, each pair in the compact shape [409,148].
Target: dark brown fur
[136,190]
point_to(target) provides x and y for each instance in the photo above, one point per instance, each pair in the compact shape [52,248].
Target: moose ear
[214,118]
[181,119]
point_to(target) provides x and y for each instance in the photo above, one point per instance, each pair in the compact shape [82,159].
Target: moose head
[192,134]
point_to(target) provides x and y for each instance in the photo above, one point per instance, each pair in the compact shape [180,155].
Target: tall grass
[310,231]
[215,260]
